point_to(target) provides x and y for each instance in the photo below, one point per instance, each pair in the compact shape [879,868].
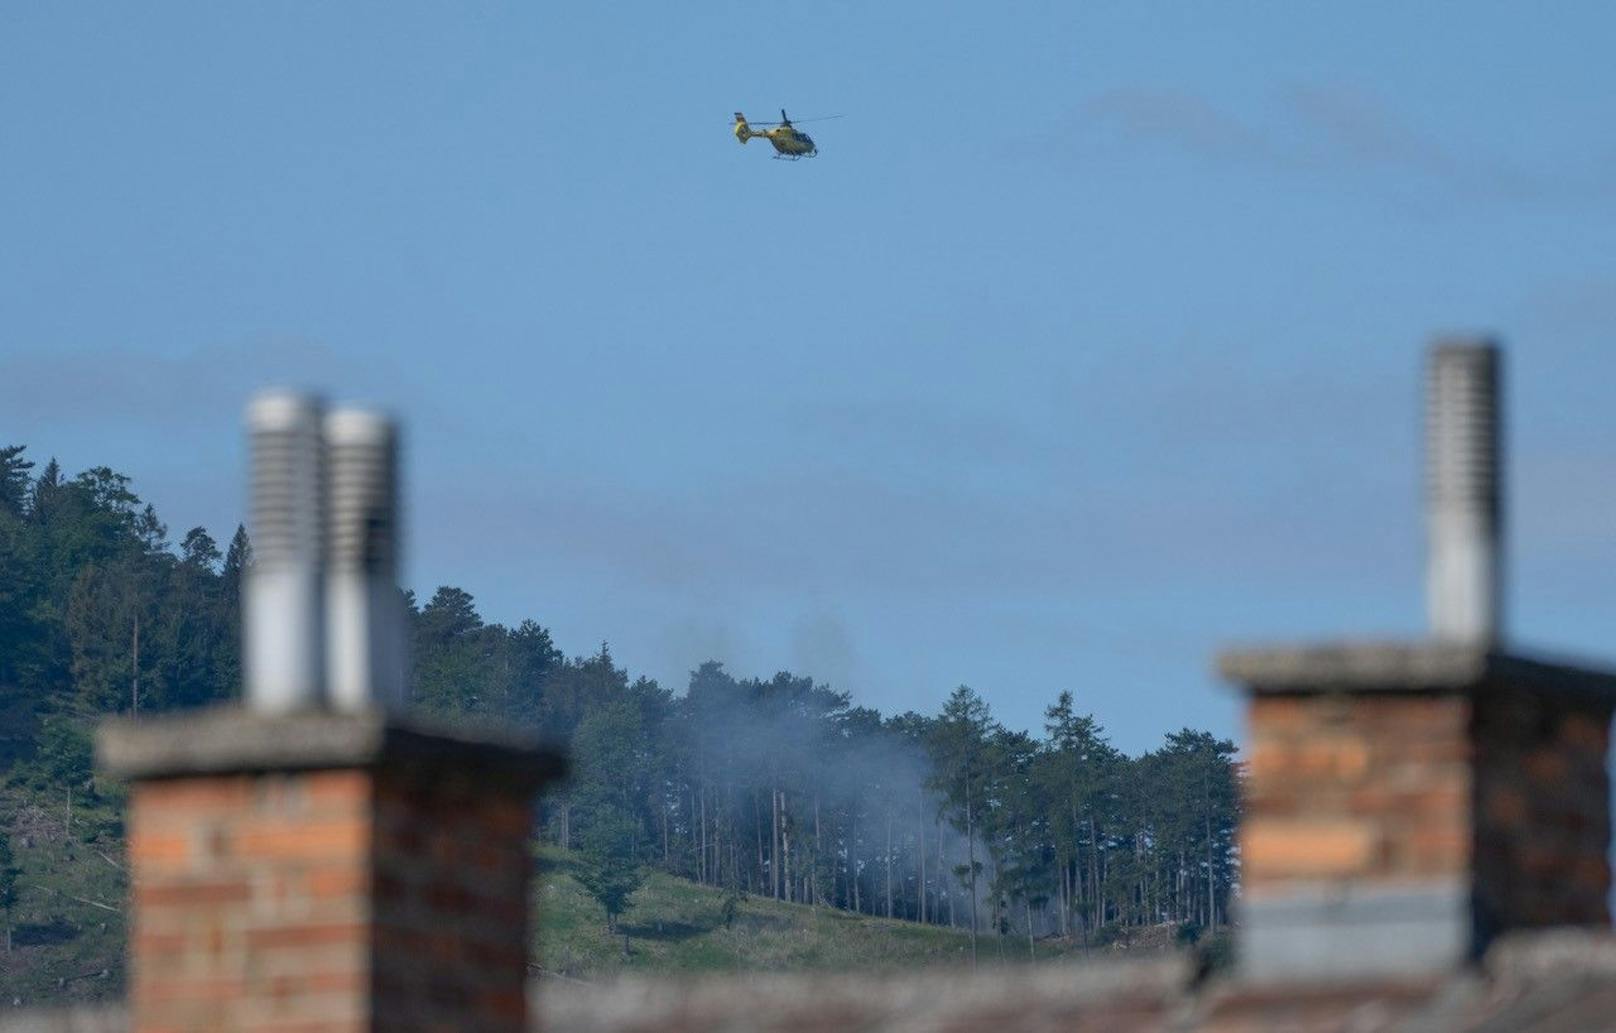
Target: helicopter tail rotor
[743,132]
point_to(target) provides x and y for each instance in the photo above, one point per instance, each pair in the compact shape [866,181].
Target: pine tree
[608,868]
[611,767]
[521,663]
[450,669]
[962,748]
[13,479]
[1078,771]
[24,626]
[198,550]
[43,494]
[236,561]
[151,532]
[237,558]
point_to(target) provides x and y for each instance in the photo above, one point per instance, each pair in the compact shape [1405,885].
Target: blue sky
[1090,343]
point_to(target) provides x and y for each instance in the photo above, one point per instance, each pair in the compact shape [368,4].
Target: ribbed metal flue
[1463,485]
[283,601]
[365,618]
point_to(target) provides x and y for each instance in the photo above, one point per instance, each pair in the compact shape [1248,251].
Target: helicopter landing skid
[795,157]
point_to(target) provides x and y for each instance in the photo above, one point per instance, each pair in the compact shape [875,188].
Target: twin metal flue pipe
[323,619]
[1464,494]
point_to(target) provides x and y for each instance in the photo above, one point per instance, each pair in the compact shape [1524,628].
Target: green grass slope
[67,927]
[674,925]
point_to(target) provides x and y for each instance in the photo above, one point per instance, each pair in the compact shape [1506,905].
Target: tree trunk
[1066,898]
[1096,896]
[920,839]
[774,844]
[1211,890]
[852,860]
[1075,865]
[819,843]
[785,844]
[1026,906]
[721,824]
[889,858]
[134,679]
[970,866]
[757,827]
[1179,889]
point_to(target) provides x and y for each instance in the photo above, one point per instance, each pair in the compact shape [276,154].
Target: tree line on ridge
[779,787]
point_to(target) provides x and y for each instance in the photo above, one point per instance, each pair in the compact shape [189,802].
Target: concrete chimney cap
[1408,666]
[225,740]
[282,409]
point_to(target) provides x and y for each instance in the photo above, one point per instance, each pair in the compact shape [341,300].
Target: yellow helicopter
[789,142]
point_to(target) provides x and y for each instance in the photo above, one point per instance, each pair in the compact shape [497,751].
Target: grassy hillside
[68,927]
[675,925]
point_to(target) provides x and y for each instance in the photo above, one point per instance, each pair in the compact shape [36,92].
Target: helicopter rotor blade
[795,121]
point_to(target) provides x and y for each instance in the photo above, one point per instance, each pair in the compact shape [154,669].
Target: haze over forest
[777,786]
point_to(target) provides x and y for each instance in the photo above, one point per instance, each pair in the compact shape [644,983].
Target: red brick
[351,789]
[190,893]
[148,848]
[337,882]
[192,988]
[193,796]
[286,840]
[308,935]
[150,944]
[1274,848]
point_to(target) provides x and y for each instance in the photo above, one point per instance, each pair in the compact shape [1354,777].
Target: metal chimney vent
[365,616]
[1464,476]
[323,619]
[283,606]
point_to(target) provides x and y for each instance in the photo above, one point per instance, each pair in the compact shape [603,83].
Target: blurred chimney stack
[1409,802]
[1464,489]
[316,860]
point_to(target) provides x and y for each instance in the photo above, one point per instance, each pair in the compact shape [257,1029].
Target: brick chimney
[325,872]
[1408,802]
[316,861]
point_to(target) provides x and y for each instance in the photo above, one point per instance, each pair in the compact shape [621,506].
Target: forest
[775,786]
